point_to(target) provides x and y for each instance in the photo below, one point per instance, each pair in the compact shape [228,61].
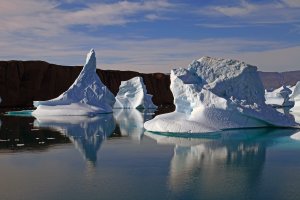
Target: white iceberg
[279,97]
[133,94]
[217,94]
[296,98]
[86,96]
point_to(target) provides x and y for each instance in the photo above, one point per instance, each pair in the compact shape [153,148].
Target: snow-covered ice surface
[133,94]
[296,98]
[86,96]
[279,97]
[131,122]
[217,94]
[87,133]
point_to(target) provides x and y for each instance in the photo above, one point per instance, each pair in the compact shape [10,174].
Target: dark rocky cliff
[22,82]
[274,80]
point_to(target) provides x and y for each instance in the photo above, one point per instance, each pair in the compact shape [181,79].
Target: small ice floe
[21,113]
[20,145]
[50,138]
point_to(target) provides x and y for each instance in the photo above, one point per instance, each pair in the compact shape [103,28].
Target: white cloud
[116,13]
[280,12]
[43,17]
[283,59]
[147,55]
[243,9]
[38,29]
[292,3]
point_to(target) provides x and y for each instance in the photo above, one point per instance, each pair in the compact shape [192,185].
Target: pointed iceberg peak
[86,96]
[90,63]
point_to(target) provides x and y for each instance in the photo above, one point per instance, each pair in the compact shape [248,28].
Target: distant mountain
[273,80]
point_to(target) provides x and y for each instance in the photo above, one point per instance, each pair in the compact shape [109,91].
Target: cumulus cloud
[149,55]
[42,30]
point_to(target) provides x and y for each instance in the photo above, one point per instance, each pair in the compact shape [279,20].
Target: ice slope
[296,98]
[216,94]
[133,94]
[279,97]
[86,96]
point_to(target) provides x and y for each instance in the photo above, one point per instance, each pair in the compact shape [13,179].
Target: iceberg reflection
[131,122]
[87,133]
[219,161]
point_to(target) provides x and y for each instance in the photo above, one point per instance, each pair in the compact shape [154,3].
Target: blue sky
[152,36]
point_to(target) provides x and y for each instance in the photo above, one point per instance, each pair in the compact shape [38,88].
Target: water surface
[112,157]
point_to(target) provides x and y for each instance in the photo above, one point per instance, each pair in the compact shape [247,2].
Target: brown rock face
[274,80]
[22,82]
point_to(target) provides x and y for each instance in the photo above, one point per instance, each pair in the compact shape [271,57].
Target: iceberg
[279,97]
[133,94]
[86,96]
[217,94]
[296,98]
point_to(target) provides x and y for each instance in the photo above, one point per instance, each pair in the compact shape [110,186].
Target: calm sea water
[111,157]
